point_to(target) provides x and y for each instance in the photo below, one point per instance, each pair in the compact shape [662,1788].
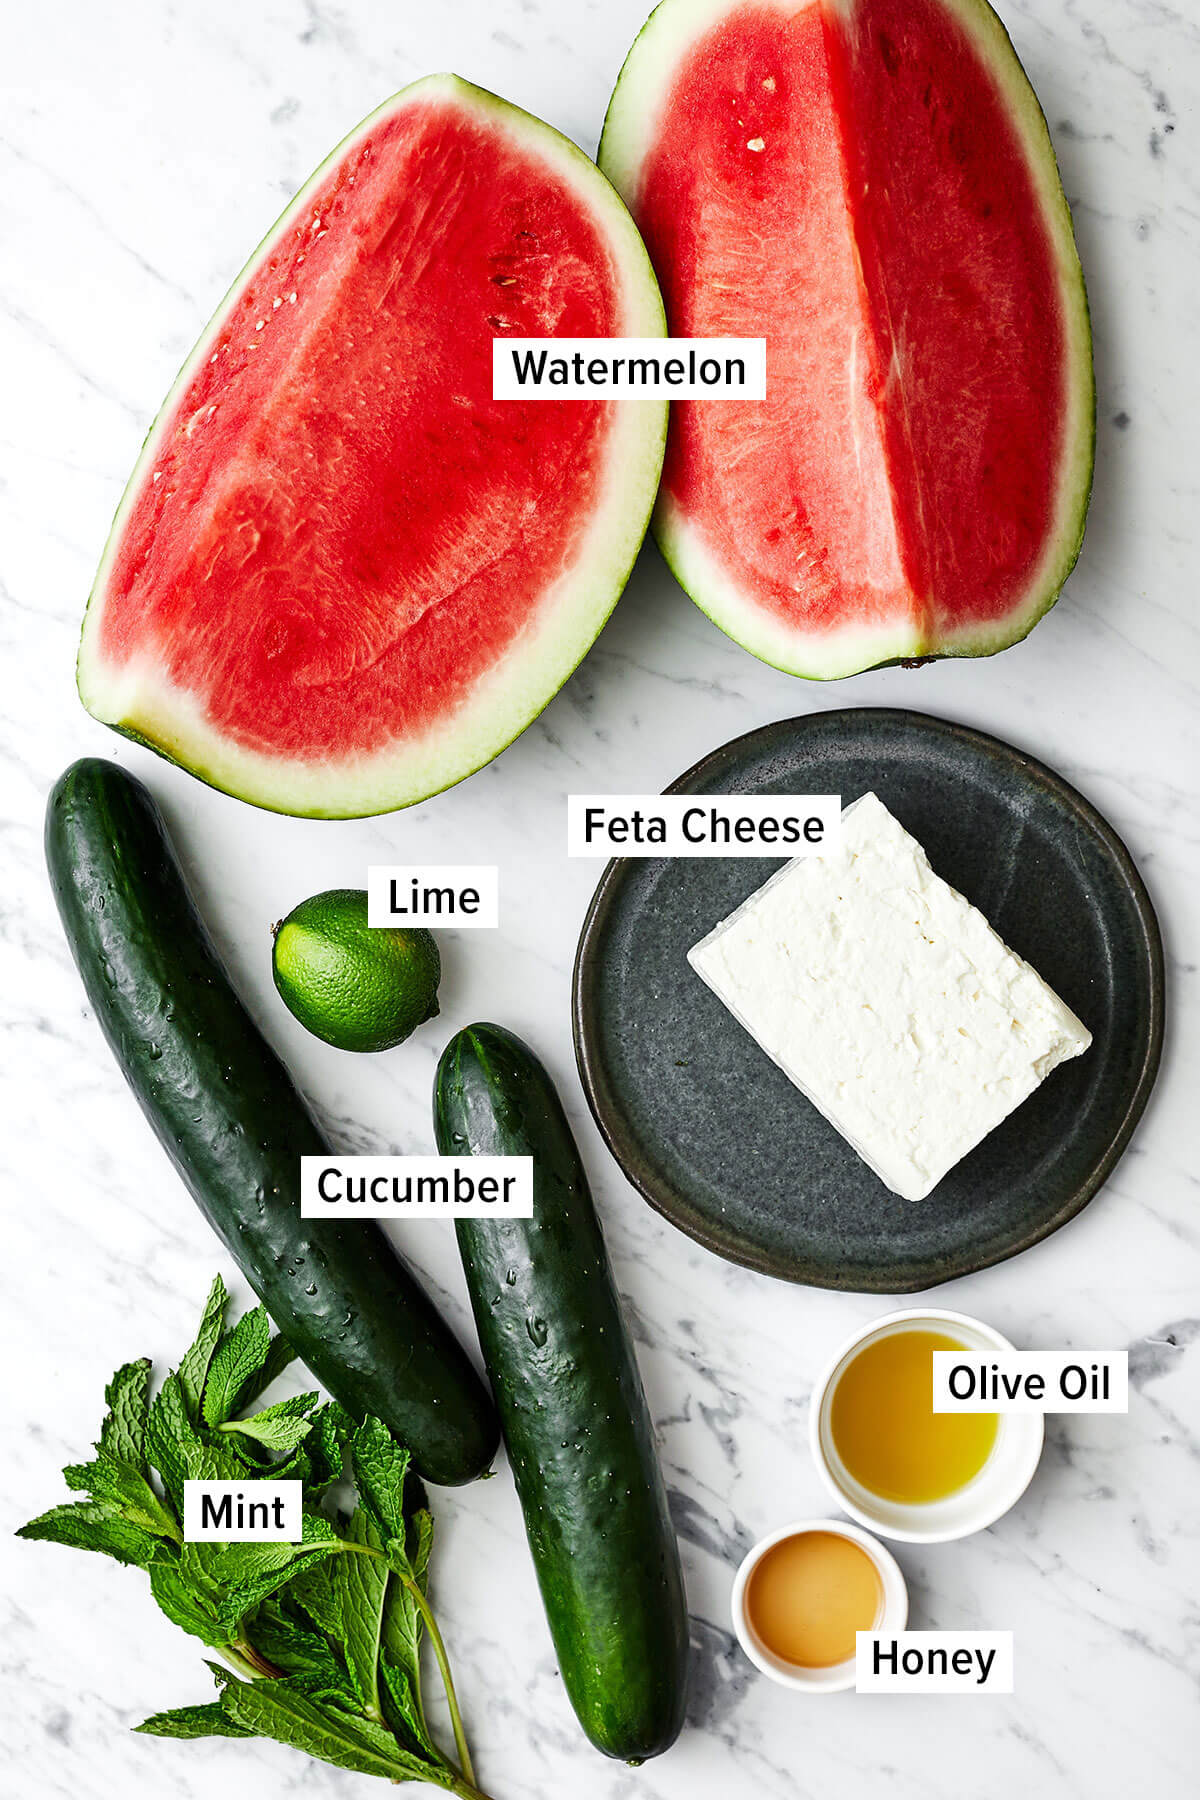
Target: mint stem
[468,1791]
[244,1659]
[467,1787]
[443,1663]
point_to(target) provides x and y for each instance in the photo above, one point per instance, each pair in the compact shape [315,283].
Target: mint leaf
[305,1655]
[254,1461]
[189,1600]
[420,1547]
[192,1563]
[244,1561]
[123,1433]
[293,1647]
[241,1598]
[282,1427]
[317,1592]
[249,1573]
[240,1564]
[128,1490]
[332,1431]
[402,1623]
[218,1461]
[193,1722]
[296,1467]
[171,1439]
[363,1583]
[328,1630]
[238,1358]
[386,1485]
[274,1709]
[95,1525]
[279,1355]
[401,1695]
[381,1467]
[282,1435]
[194,1367]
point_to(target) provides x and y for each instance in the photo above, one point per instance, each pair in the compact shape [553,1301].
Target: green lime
[357,987]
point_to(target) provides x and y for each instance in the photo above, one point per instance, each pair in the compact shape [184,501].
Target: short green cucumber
[574,1416]
[232,1122]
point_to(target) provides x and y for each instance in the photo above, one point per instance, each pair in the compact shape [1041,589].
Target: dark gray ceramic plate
[718,1139]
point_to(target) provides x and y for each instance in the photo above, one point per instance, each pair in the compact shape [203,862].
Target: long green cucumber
[574,1416]
[229,1117]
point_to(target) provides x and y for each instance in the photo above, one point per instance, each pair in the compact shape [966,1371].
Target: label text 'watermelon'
[629,368]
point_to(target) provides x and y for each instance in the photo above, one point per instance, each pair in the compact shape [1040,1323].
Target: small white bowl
[893,1612]
[999,1484]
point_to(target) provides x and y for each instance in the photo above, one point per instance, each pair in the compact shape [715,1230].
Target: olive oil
[885,1429]
[810,1594]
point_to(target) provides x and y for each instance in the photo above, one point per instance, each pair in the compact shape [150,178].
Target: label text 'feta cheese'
[702,824]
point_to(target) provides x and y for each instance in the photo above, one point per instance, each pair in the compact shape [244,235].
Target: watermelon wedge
[870,185]
[343,577]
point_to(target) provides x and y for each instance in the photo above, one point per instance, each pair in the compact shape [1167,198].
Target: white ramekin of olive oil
[893,1463]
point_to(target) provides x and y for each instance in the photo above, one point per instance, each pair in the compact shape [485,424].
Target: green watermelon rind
[635,107]
[144,706]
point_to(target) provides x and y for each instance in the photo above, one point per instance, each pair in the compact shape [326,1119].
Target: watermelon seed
[755,144]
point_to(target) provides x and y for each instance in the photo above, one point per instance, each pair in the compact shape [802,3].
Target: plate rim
[672,1204]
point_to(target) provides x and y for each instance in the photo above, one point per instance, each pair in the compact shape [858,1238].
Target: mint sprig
[321,1640]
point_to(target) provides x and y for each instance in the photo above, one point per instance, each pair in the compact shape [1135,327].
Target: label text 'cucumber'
[464,1187]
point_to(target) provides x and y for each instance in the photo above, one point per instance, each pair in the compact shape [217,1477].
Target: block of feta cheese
[889,1000]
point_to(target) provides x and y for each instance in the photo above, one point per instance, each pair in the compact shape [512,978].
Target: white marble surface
[145,146]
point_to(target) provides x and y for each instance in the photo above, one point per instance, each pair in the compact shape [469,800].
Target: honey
[809,1594]
[886,1432]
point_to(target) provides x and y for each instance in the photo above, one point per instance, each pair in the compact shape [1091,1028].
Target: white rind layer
[631,127]
[137,698]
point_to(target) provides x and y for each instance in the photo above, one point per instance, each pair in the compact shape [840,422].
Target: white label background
[484,878]
[1049,1364]
[673,808]
[1000,1674]
[252,1492]
[750,352]
[516,1170]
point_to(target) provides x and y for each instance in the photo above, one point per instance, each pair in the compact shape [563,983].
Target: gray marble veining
[143,149]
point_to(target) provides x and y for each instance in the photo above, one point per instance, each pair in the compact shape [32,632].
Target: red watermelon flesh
[343,575]
[869,185]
